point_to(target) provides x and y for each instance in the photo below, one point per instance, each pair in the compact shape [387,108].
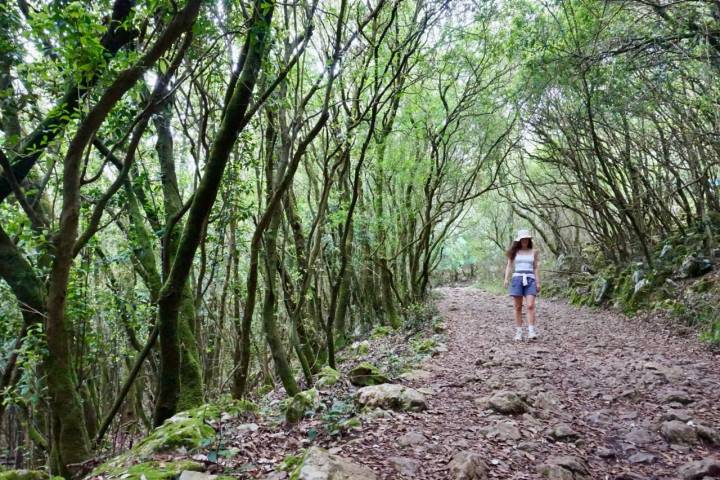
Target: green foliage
[419,315]
[29,390]
[292,462]
[380,331]
[340,417]
[423,345]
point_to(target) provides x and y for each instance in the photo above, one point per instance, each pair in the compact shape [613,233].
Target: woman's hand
[506,283]
[537,286]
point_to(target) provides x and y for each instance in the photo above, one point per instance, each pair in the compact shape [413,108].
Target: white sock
[531,328]
[518,330]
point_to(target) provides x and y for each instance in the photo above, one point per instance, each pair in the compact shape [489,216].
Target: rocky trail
[597,396]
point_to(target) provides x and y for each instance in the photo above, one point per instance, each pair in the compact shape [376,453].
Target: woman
[524,264]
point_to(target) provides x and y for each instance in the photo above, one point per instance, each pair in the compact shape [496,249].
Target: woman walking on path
[524,265]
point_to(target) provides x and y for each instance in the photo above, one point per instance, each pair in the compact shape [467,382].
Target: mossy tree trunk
[274,170]
[269,310]
[191,382]
[232,124]
[71,442]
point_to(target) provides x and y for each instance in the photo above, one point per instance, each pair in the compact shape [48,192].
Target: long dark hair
[515,246]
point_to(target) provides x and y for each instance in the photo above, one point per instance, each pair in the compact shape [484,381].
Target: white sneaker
[518,336]
[532,334]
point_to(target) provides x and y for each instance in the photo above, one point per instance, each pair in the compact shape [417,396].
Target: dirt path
[612,381]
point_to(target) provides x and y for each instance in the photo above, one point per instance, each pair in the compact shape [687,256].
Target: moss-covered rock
[366,374]
[154,470]
[25,475]
[328,377]
[300,404]
[190,430]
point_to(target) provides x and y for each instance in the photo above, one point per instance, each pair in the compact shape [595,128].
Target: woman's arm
[536,270]
[508,269]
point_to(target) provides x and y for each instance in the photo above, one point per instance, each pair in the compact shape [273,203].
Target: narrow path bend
[613,381]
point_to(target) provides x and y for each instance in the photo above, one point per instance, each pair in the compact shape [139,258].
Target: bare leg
[531,309]
[518,311]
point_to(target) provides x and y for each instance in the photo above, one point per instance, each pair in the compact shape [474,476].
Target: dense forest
[214,198]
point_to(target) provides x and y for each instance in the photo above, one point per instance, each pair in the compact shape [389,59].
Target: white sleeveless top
[524,262]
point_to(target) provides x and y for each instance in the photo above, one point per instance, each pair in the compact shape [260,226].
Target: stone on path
[669,374]
[563,432]
[710,435]
[408,467]
[412,438]
[677,396]
[641,457]
[676,431]
[676,414]
[319,464]
[503,431]
[604,452]
[640,436]
[391,396]
[507,403]
[416,375]
[630,476]
[565,468]
[190,475]
[468,465]
[700,469]
[247,428]
[601,417]
[546,401]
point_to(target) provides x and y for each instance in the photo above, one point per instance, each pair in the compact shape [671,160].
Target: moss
[176,433]
[291,462]
[265,389]
[361,348]
[154,470]
[366,374]
[380,331]
[24,475]
[328,377]
[423,345]
[702,286]
[301,404]
[187,429]
[191,381]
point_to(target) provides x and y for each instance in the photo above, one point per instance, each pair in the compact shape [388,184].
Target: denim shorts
[517,289]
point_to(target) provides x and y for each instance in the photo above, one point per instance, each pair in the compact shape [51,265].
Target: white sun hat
[523,234]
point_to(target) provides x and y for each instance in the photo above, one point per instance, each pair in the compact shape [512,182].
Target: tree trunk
[232,123]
